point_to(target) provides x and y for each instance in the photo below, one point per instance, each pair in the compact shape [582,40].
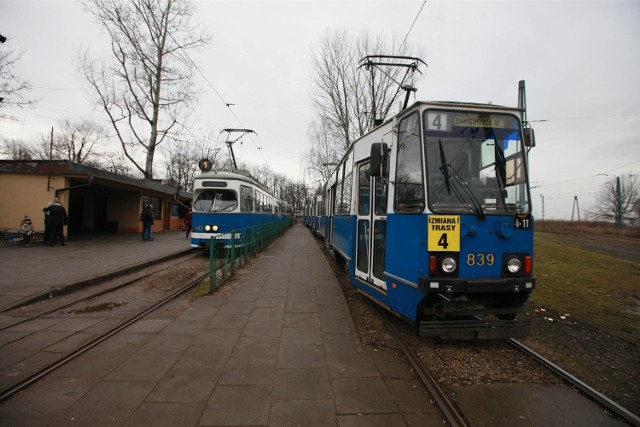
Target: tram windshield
[216,201]
[475,163]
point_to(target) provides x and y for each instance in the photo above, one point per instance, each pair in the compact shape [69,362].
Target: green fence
[230,250]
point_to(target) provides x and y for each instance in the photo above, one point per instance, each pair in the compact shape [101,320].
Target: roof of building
[95,175]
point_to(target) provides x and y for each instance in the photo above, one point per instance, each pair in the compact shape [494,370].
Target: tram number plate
[443,233]
[522,221]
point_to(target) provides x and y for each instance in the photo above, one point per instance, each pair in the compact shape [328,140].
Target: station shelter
[96,201]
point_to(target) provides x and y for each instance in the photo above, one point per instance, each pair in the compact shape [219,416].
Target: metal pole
[212,265]
[541,196]
[50,159]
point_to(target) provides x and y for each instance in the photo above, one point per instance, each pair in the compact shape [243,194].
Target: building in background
[96,200]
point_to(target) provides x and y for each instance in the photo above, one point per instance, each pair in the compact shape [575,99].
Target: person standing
[187,223]
[26,228]
[147,221]
[57,220]
[47,231]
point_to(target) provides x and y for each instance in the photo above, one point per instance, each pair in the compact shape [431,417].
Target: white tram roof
[237,175]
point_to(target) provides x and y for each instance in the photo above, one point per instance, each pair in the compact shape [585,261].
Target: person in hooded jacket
[57,220]
[26,229]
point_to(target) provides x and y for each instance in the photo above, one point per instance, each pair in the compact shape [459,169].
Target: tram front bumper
[468,286]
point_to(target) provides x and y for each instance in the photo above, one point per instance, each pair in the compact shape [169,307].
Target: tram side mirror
[379,160]
[529,138]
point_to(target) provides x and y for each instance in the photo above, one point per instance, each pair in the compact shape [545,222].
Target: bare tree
[342,94]
[15,149]
[326,149]
[146,89]
[618,200]
[13,90]
[115,163]
[181,160]
[74,140]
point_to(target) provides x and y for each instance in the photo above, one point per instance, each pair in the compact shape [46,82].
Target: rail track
[100,337]
[451,414]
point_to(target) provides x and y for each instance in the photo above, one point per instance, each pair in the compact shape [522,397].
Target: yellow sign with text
[443,233]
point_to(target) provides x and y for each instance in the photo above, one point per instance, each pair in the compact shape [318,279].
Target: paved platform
[28,273]
[279,349]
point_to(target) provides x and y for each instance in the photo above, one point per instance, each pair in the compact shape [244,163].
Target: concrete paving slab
[166,414]
[47,400]
[239,406]
[166,344]
[212,357]
[303,383]
[256,346]
[143,367]
[185,385]
[301,336]
[248,371]
[295,413]
[263,329]
[108,402]
[362,396]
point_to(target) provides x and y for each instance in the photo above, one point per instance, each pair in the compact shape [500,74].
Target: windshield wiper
[444,167]
[448,171]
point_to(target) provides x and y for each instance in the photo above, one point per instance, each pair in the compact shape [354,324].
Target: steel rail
[614,407]
[4,395]
[451,415]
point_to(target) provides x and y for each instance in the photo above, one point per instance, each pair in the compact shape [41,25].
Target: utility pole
[542,197]
[50,161]
[576,206]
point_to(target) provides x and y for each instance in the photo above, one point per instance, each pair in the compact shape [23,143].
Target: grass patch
[597,289]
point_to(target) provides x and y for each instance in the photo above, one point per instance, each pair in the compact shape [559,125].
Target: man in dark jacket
[146,216]
[47,230]
[57,220]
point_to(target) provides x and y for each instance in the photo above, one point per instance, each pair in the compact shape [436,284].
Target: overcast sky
[580,60]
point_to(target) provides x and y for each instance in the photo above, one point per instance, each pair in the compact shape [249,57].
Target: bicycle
[13,237]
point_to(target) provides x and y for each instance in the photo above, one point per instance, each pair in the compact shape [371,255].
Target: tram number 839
[480,259]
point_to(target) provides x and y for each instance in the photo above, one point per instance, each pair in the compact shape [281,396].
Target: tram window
[364,192]
[409,191]
[216,201]
[246,199]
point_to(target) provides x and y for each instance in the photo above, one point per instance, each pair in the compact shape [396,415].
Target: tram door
[372,228]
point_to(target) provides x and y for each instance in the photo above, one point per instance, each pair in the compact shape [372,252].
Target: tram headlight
[207,228]
[514,265]
[448,265]
[210,228]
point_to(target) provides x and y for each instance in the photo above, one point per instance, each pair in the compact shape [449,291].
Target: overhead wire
[219,95]
[411,27]
[582,118]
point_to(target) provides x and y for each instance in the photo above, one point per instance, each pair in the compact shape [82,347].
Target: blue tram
[431,213]
[226,201]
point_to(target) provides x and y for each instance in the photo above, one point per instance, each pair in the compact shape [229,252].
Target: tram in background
[431,213]
[226,201]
